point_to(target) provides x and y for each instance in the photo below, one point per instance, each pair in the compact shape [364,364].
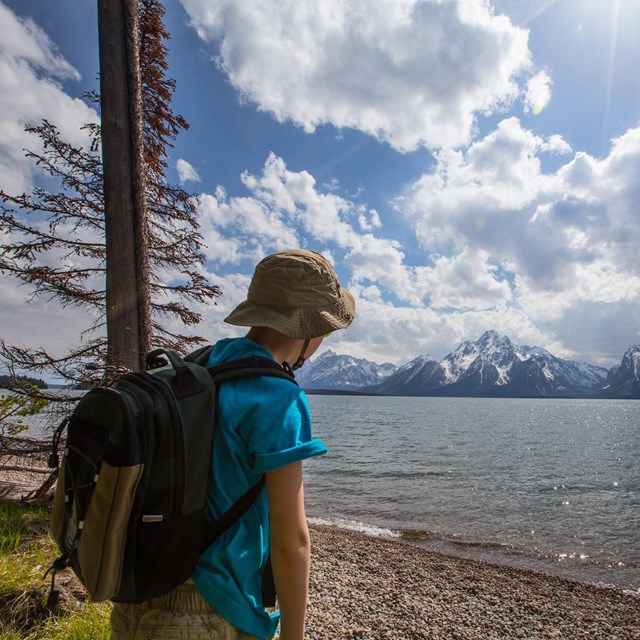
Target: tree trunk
[127,285]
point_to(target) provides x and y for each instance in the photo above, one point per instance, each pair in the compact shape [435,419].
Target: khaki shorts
[181,614]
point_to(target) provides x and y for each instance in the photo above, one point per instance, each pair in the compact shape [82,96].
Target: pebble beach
[372,589]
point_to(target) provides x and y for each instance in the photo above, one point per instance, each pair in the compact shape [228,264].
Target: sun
[607,26]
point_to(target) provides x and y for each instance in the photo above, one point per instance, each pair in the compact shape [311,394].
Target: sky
[467,164]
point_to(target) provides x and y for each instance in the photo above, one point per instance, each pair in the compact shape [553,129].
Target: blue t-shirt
[263,424]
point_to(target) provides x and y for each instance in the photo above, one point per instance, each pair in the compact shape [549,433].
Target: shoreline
[502,555]
[368,587]
[373,588]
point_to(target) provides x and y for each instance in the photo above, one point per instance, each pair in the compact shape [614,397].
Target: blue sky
[468,165]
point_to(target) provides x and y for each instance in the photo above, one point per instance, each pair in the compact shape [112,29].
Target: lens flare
[615,20]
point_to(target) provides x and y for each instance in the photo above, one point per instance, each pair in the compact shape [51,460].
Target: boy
[263,427]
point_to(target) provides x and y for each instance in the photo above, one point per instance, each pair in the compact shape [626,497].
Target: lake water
[49,418]
[551,485]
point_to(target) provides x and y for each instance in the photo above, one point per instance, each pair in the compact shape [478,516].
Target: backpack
[128,510]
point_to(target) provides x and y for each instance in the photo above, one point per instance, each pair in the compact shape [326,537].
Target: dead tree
[63,259]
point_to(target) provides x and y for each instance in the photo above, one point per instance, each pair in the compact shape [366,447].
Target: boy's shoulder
[263,388]
[230,349]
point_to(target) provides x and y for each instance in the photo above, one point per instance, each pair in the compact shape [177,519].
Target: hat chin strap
[301,359]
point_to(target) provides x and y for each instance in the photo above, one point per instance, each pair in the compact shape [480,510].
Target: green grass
[26,552]
[19,524]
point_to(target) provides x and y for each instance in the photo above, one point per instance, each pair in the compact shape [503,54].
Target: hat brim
[302,323]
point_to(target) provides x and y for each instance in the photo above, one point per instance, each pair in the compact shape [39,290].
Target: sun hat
[297,293]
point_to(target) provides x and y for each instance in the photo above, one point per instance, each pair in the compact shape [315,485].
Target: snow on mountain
[413,378]
[491,366]
[458,362]
[525,370]
[578,375]
[339,372]
[493,362]
[623,380]
[494,366]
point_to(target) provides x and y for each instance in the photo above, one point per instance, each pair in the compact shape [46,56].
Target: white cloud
[568,239]
[383,331]
[368,219]
[466,280]
[435,305]
[556,145]
[38,323]
[409,72]
[381,261]
[538,93]
[25,40]
[186,172]
[241,228]
[284,207]
[31,70]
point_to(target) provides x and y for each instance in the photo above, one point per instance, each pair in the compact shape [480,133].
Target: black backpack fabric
[128,511]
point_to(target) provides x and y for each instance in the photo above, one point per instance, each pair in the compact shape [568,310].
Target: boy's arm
[290,547]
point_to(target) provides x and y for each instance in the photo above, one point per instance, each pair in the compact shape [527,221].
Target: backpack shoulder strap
[242,368]
[200,356]
[247,367]
[234,370]
[212,531]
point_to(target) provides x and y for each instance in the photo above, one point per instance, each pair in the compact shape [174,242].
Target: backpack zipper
[145,379]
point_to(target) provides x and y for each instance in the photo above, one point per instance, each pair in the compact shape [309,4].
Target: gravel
[372,589]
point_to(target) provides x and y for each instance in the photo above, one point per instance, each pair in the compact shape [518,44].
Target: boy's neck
[281,347]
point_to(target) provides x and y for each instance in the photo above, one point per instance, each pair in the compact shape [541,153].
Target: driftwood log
[24,471]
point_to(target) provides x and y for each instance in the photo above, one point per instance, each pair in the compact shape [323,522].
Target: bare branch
[53,240]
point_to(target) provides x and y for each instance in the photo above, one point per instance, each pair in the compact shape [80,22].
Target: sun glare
[615,21]
[607,21]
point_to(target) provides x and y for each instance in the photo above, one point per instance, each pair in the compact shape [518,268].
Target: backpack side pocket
[101,552]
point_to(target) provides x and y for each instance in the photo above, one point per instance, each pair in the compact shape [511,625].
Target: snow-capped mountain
[493,366]
[414,378]
[623,380]
[338,372]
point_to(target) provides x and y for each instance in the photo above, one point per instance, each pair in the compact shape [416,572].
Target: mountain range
[491,366]
[331,371]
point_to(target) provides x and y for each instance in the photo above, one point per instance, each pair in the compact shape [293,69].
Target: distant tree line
[20,382]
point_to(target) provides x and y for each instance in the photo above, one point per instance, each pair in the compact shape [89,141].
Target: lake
[551,485]
[545,484]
